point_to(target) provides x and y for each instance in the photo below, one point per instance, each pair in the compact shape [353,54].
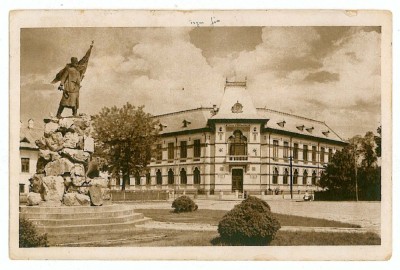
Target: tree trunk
[125,179]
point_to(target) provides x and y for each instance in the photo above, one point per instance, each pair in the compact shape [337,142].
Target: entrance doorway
[237,180]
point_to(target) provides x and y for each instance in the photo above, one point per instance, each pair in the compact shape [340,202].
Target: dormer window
[301,128]
[282,123]
[161,126]
[326,133]
[185,123]
[310,129]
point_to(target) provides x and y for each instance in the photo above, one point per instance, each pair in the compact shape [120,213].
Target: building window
[275,176]
[285,176]
[314,154]
[159,152]
[305,152]
[183,177]
[171,155]
[24,164]
[137,180]
[148,179]
[183,149]
[305,177]
[237,144]
[322,155]
[196,148]
[196,176]
[159,177]
[314,178]
[275,149]
[171,179]
[295,151]
[21,188]
[285,150]
[330,154]
[295,176]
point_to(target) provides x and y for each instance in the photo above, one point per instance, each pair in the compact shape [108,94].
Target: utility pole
[355,169]
[291,177]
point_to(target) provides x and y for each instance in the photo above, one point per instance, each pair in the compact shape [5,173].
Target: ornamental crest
[237,108]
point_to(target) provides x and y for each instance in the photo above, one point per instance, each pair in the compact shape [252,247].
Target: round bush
[249,223]
[184,204]
[28,235]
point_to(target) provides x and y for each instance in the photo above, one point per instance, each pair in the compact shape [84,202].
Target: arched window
[285,176]
[305,177]
[159,177]
[171,180]
[183,177]
[275,176]
[295,176]
[196,176]
[237,144]
[314,178]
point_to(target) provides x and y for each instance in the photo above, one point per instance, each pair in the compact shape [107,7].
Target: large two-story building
[237,147]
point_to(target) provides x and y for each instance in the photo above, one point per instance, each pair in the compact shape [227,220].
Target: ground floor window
[158,177]
[148,179]
[295,177]
[171,179]
[285,176]
[305,177]
[196,176]
[183,177]
[21,188]
[314,178]
[275,176]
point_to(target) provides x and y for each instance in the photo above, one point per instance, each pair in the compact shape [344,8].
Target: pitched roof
[174,122]
[28,136]
[298,124]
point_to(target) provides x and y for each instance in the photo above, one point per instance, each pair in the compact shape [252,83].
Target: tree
[354,170]
[125,138]
[378,141]
[339,174]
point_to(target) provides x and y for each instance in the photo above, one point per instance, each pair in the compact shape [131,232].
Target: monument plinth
[65,173]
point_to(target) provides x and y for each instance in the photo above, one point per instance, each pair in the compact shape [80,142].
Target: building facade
[29,154]
[237,147]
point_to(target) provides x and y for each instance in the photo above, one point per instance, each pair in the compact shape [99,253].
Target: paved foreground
[365,214]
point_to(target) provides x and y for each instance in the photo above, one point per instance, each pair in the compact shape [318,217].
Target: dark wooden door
[237,180]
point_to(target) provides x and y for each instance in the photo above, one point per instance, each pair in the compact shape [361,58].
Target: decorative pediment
[310,129]
[282,123]
[300,127]
[326,133]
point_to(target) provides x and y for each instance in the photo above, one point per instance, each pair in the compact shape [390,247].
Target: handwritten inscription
[213,21]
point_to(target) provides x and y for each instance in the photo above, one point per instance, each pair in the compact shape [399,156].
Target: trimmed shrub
[29,237]
[184,204]
[249,223]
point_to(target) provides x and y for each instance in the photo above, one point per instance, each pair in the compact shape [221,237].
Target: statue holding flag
[70,78]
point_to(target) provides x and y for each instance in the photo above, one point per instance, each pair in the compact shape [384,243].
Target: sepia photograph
[212,135]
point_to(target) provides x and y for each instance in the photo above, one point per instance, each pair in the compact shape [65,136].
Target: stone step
[87,221]
[90,228]
[93,239]
[81,215]
[73,209]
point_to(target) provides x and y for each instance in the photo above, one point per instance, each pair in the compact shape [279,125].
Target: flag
[82,66]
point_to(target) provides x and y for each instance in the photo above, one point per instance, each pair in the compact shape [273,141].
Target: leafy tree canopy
[125,138]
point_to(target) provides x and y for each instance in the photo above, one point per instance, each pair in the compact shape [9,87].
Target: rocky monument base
[65,156]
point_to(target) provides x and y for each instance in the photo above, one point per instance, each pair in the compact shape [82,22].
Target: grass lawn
[205,216]
[165,238]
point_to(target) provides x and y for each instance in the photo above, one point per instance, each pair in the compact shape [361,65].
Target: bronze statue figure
[70,78]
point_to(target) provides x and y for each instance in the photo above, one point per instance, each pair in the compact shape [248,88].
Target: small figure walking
[70,78]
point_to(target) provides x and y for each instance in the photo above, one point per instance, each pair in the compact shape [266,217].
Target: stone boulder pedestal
[96,195]
[53,188]
[76,199]
[33,198]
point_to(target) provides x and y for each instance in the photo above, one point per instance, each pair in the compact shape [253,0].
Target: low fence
[145,195]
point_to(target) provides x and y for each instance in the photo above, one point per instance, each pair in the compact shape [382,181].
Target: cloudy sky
[326,73]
